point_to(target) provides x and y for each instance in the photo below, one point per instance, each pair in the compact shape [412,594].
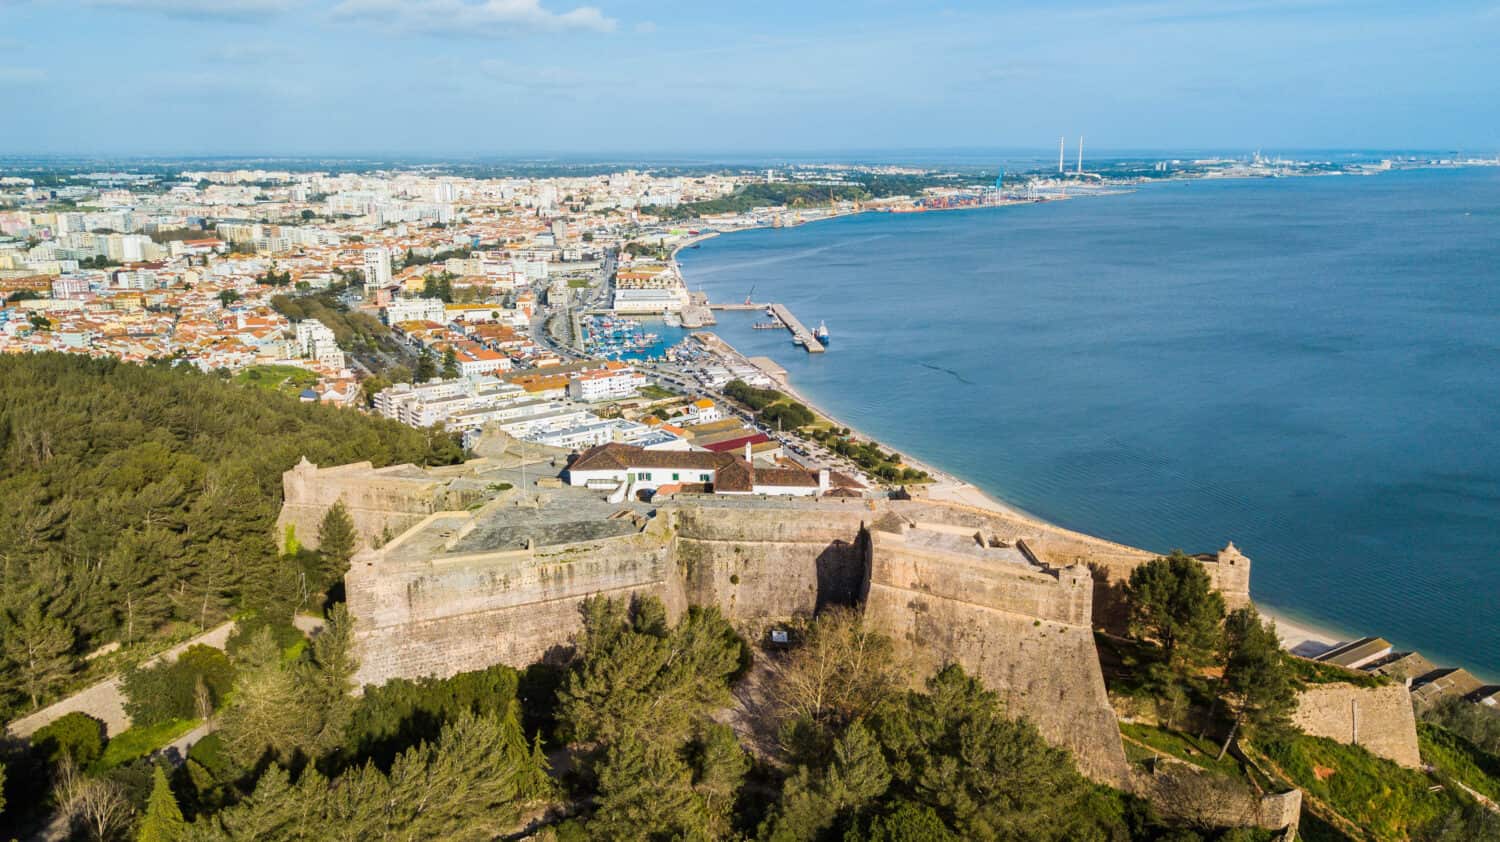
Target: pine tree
[40,648]
[1259,687]
[1173,602]
[268,712]
[426,369]
[336,540]
[811,801]
[720,767]
[646,678]
[163,821]
[646,792]
[329,678]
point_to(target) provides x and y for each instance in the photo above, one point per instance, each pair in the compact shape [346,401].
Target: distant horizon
[464,77]
[872,156]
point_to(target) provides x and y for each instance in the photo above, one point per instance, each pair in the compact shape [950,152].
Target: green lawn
[286,378]
[141,741]
[579,283]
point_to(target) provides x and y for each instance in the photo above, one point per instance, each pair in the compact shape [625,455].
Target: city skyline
[516,77]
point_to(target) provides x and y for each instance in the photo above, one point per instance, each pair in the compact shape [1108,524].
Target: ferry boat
[821,333]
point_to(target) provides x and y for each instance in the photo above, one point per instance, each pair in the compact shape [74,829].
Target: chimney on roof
[747,451]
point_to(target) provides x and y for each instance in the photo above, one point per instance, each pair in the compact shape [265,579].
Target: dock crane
[750,295]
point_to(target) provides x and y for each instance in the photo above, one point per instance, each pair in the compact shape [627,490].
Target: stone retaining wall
[1378,718]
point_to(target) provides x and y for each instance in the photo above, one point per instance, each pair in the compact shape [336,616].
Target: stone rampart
[1053,546]
[456,613]
[1025,634]
[463,586]
[758,567]
[1183,793]
[382,502]
[1378,718]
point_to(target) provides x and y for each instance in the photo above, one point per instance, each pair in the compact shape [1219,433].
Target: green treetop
[1258,684]
[163,821]
[1172,602]
[336,541]
[40,651]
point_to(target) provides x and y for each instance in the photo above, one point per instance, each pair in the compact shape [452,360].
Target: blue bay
[1309,367]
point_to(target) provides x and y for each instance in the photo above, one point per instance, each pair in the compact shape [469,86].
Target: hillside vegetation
[624,740]
[138,502]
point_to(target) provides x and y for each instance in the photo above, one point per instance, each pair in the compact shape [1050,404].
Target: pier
[784,318]
[800,334]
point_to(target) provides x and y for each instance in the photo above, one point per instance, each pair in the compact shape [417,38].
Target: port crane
[750,295]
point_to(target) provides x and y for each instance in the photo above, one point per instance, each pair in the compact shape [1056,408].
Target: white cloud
[202,8]
[468,17]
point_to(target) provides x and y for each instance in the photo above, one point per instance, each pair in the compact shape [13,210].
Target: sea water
[1309,367]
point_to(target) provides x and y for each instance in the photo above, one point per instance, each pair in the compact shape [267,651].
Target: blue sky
[508,77]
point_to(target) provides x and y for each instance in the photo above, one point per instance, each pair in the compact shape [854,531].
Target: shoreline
[944,486]
[1298,634]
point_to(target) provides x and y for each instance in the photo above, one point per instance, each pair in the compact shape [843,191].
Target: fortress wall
[388,500]
[1378,718]
[1065,597]
[516,607]
[1112,563]
[811,525]
[1044,669]
[755,566]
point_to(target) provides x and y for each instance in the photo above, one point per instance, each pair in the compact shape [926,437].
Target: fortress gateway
[464,567]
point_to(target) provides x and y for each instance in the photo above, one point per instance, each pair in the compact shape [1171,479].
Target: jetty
[800,334]
[783,318]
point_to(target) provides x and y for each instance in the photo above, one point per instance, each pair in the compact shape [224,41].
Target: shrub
[283,632]
[401,713]
[166,691]
[76,735]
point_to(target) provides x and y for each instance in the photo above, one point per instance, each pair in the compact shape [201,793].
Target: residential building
[377,266]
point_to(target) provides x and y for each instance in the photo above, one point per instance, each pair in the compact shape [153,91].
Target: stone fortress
[467,566]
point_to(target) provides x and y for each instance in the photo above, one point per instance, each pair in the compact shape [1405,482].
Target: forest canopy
[134,498]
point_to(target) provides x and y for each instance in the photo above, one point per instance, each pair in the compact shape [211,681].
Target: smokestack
[1080,154]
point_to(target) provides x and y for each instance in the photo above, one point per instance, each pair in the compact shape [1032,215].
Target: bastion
[466,567]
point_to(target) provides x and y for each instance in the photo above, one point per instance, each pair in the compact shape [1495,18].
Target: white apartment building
[613,382]
[474,360]
[315,340]
[415,310]
[377,265]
